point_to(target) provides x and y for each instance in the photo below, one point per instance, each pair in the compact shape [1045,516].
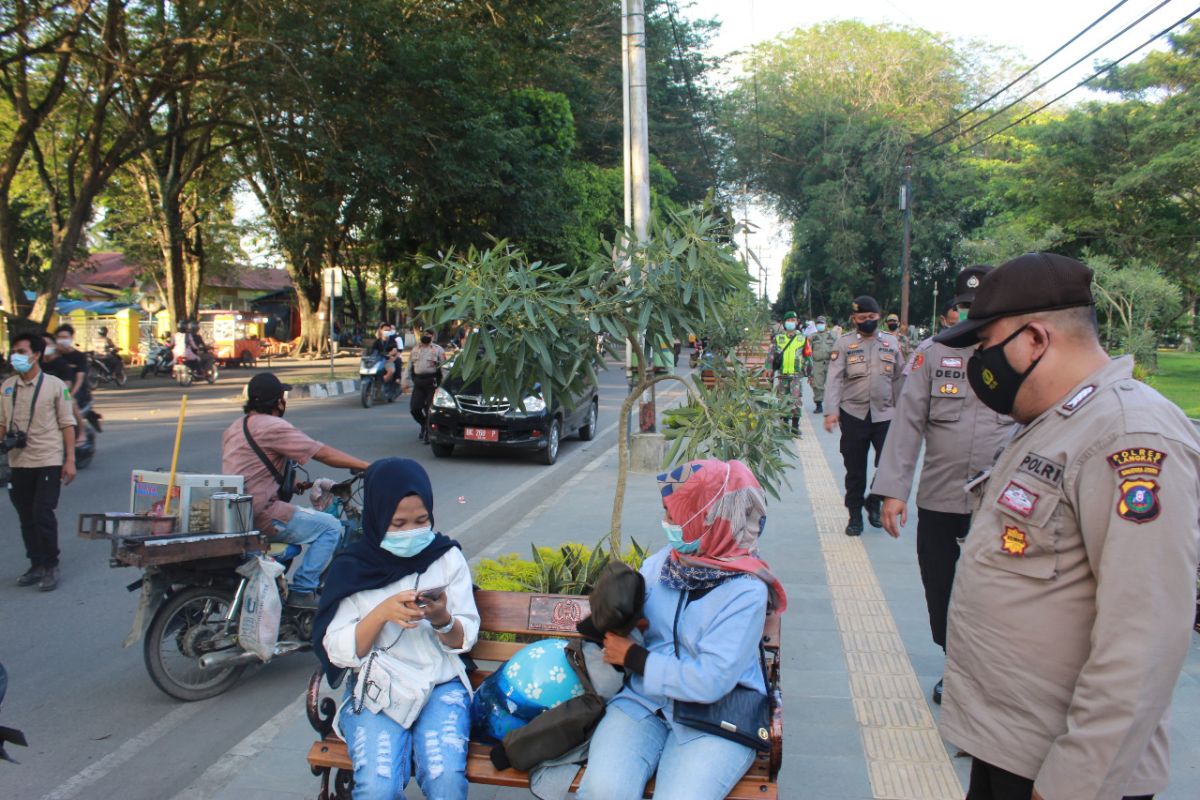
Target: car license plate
[481,434]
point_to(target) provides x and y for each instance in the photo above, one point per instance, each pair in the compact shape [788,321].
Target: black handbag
[742,716]
[286,480]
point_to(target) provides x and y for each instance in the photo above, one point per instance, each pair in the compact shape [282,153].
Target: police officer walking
[789,350]
[821,343]
[864,380]
[962,437]
[424,370]
[1071,614]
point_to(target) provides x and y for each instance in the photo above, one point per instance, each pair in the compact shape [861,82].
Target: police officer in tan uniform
[864,381]
[821,342]
[1071,614]
[962,437]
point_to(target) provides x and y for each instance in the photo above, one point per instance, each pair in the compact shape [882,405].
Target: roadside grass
[1178,379]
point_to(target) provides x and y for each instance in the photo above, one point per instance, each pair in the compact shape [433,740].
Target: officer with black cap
[865,370]
[962,437]
[1071,613]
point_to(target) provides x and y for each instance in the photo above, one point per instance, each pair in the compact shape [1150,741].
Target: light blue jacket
[718,646]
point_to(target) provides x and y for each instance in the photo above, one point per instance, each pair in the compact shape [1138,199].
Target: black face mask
[868,327]
[893,326]
[282,407]
[426,340]
[993,379]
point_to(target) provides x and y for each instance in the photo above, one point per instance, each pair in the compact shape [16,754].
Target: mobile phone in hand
[427,596]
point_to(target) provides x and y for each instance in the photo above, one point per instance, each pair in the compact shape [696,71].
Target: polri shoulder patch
[918,361]
[833,356]
[1139,501]
[1137,461]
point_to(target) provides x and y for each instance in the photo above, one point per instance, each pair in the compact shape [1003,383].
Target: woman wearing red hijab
[707,595]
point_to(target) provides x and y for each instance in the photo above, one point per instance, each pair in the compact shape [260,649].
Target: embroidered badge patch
[948,388]
[1139,501]
[972,282]
[1137,461]
[1018,499]
[66,394]
[7,390]
[1014,542]
[1080,396]
[834,356]
[952,362]
[1042,468]
[856,358]
[918,361]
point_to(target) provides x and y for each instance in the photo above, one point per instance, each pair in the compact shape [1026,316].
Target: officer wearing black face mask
[865,373]
[424,370]
[1072,607]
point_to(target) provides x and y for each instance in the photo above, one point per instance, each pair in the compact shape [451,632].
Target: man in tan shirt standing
[1071,613]
[37,419]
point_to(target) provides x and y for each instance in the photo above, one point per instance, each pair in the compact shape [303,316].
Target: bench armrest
[320,711]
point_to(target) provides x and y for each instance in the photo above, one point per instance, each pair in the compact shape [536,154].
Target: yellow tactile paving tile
[906,759]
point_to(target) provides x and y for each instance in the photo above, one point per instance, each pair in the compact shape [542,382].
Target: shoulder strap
[684,599]
[258,451]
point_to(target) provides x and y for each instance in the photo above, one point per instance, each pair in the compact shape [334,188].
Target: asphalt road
[96,724]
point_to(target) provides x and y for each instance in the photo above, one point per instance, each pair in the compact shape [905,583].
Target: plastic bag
[258,625]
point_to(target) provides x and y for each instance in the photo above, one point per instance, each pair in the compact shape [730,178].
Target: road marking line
[86,777]
[906,759]
[218,776]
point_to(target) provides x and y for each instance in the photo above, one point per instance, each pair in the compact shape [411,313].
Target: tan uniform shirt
[50,415]
[822,343]
[864,376]
[1072,608]
[962,436]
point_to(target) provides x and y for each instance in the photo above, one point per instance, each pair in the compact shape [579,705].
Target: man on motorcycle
[258,447]
[388,347]
[106,351]
[199,346]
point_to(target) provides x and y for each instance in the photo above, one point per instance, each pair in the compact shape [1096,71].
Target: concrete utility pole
[637,160]
[906,207]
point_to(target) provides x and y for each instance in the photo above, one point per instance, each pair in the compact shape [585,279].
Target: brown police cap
[1028,284]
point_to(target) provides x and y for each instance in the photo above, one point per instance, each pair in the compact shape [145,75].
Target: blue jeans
[321,533]
[382,751]
[625,753]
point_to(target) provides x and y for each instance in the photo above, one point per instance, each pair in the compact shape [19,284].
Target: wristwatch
[449,626]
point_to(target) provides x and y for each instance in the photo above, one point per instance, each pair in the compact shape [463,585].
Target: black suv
[461,415]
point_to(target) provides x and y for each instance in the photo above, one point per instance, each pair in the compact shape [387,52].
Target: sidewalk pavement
[858,662]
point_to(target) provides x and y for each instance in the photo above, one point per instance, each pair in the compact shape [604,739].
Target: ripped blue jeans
[383,751]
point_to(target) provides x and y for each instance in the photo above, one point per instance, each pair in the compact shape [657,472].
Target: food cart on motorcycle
[234,337]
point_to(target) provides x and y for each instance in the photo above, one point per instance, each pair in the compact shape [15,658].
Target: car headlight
[534,404]
[443,399]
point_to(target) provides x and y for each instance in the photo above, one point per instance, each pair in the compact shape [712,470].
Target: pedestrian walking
[822,343]
[424,370]
[864,380]
[1071,614]
[962,437]
[38,421]
[789,352]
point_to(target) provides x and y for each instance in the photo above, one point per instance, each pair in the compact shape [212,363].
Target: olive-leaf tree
[537,326]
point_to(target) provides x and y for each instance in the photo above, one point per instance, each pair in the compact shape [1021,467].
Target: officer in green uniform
[821,343]
[788,353]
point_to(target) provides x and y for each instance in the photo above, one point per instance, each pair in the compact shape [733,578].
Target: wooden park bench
[530,616]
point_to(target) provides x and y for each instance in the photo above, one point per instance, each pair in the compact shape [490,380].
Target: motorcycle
[185,374]
[8,735]
[189,611]
[105,369]
[85,442]
[159,361]
[371,372]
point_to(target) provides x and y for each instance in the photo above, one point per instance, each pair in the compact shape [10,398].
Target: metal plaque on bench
[557,614]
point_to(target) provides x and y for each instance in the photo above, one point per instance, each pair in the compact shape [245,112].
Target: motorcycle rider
[424,370]
[106,351]
[200,347]
[71,367]
[279,441]
[388,347]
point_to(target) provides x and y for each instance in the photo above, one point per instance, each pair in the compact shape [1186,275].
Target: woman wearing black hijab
[398,609]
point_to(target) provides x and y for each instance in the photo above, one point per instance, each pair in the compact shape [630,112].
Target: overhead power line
[1083,82]
[1024,74]
[1053,78]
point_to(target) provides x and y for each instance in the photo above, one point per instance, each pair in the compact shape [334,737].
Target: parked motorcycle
[8,735]
[186,374]
[371,371]
[159,361]
[189,610]
[104,370]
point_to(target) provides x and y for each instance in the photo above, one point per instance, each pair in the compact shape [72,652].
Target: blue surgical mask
[820,326]
[675,539]
[21,362]
[406,544]
[791,326]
